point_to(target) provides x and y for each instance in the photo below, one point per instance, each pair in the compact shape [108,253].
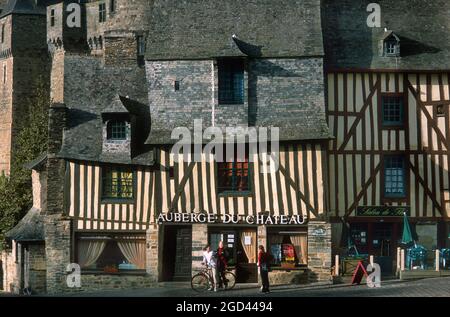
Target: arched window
[117,130]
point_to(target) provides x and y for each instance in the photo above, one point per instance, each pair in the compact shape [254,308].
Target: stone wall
[319,252]
[57,227]
[57,251]
[96,282]
[5,113]
[276,91]
[10,272]
[39,183]
[23,66]
[37,279]
[154,253]
[120,49]
[194,99]
[279,277]
[199,240]
[73,38]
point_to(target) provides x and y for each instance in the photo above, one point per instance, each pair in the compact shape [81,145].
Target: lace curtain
[134,252]
[300,243]
[89,252]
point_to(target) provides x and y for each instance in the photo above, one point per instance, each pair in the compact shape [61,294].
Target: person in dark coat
[264,264]
[222,265]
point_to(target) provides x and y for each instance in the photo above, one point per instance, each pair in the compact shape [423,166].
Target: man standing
[210,259]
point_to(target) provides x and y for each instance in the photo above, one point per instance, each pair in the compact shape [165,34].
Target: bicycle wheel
[200,282]
[230,280]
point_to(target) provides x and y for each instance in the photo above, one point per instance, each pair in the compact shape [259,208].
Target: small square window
[392,111]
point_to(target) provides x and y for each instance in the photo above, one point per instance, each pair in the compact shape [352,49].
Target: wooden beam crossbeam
[430,120]
[295,186]
[425,187]
[363,190]
[182,185]
[360,115]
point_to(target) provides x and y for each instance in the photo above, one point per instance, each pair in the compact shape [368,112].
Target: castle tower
[116,29]
[23,65]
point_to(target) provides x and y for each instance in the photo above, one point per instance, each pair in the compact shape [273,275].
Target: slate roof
[24,7]
[83,139]
[37,164]
[29,229]
[91,92]
[422,26]
[198,29]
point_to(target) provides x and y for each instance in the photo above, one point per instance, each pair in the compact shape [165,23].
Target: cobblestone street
[437,287]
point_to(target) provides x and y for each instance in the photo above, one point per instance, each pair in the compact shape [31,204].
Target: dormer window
[391,48]
[117,130]
[391,45]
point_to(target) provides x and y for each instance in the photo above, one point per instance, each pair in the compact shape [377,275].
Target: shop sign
[203,218]
[319,232]
[382,211]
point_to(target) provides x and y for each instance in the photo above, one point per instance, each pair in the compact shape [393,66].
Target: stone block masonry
[319,252]
[154,253]
[199,240]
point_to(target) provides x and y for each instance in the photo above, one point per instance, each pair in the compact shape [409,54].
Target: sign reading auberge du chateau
[231,219]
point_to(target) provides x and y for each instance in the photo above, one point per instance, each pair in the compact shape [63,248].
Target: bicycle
[204,281]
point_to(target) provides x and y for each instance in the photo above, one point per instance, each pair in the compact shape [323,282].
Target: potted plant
[111,269]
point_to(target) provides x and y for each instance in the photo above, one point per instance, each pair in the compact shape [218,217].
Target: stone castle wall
[24,65]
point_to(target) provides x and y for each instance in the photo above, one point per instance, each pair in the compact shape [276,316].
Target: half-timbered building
[128,208]
[388,108]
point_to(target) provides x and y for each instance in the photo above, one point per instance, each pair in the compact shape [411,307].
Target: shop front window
[229,242]
[111,253]
[288,249]
[240,245]
[359,238]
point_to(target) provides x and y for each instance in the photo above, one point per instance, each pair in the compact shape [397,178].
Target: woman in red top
[222,265]
[263,264]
